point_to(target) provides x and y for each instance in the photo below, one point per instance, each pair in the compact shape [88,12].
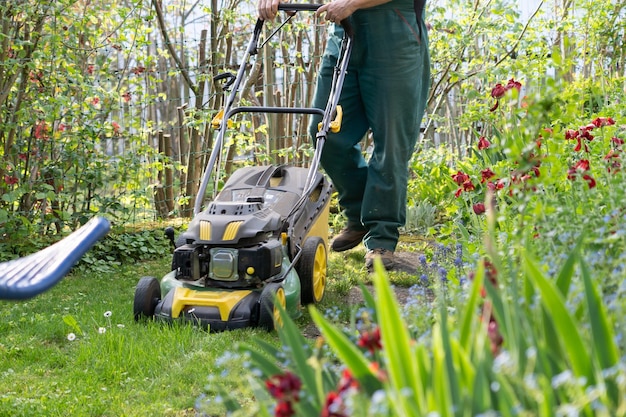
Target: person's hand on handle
[337,10]
[268,9]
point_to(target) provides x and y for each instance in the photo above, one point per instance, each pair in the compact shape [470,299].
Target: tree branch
[170,48]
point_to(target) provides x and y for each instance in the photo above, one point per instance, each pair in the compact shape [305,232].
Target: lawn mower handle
[297,7]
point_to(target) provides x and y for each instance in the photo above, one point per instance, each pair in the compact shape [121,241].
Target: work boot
[347,239]
[385,255]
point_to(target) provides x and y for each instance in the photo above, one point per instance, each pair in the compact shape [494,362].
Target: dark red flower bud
[479,208]
[483,143]
[498,91]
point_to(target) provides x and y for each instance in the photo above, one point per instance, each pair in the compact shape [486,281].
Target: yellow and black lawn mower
[262,240]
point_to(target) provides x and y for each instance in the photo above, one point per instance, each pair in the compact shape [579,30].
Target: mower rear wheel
[312,270]
[269,315]
[147,295]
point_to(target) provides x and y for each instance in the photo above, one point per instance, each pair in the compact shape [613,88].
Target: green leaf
[449,366]
[291,336]
[71,321]
[603,338]
[564,278]
[471,308]
[263,361]
[347,352]
[564,323]
[402,366]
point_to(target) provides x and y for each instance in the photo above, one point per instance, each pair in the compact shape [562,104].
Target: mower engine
[228,267]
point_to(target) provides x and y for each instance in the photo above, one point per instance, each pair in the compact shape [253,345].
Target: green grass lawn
[113,367]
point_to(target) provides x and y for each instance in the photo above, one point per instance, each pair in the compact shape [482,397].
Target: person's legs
[394,77]
[341,157]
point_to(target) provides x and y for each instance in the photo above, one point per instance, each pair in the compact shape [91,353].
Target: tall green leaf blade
[450,367]
[564,323]
[603,337]
[291,336]
[564,279]
[403,372]
[347,352]
[470,312]
[265,363]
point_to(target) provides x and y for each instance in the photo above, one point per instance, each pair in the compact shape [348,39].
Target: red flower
[116,127]
[11,179]
[90,69]
[498,91]
[41,130]
[370,340]
[95,101]
[468,186]
[483,143]
[381,375]
[590,181]
[571,134]
[347,382]
[284,409]
[494,335]
[581,167]
[479,208]
[486,174]
[586,133]
[334,406]
[284,387]
[603,121]
[464,181]
[613,158]
[617,141]
[460,177]
[513,84]
[126,96]
[498,185]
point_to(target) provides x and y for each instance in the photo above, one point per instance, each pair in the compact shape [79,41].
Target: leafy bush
[122,247]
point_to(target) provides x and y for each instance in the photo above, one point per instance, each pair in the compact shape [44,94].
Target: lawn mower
[262,241]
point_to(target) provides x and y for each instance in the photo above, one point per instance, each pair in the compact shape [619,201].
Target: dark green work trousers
[385,90]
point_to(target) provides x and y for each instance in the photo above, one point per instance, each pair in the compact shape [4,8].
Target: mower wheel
[312,269]
[147,295]
[269,314]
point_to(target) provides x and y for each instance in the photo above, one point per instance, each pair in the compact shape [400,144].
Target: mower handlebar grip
[297,7]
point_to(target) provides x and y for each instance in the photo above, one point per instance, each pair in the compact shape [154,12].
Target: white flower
[71,337]
[107,314]
[102,330]
[121,326]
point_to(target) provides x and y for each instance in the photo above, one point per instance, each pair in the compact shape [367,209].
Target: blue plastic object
[33,274]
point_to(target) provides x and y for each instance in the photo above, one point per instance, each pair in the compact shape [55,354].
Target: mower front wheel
[147,296]
[312,269]
[269,314]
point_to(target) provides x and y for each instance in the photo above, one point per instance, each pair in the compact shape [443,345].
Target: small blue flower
[443,274]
